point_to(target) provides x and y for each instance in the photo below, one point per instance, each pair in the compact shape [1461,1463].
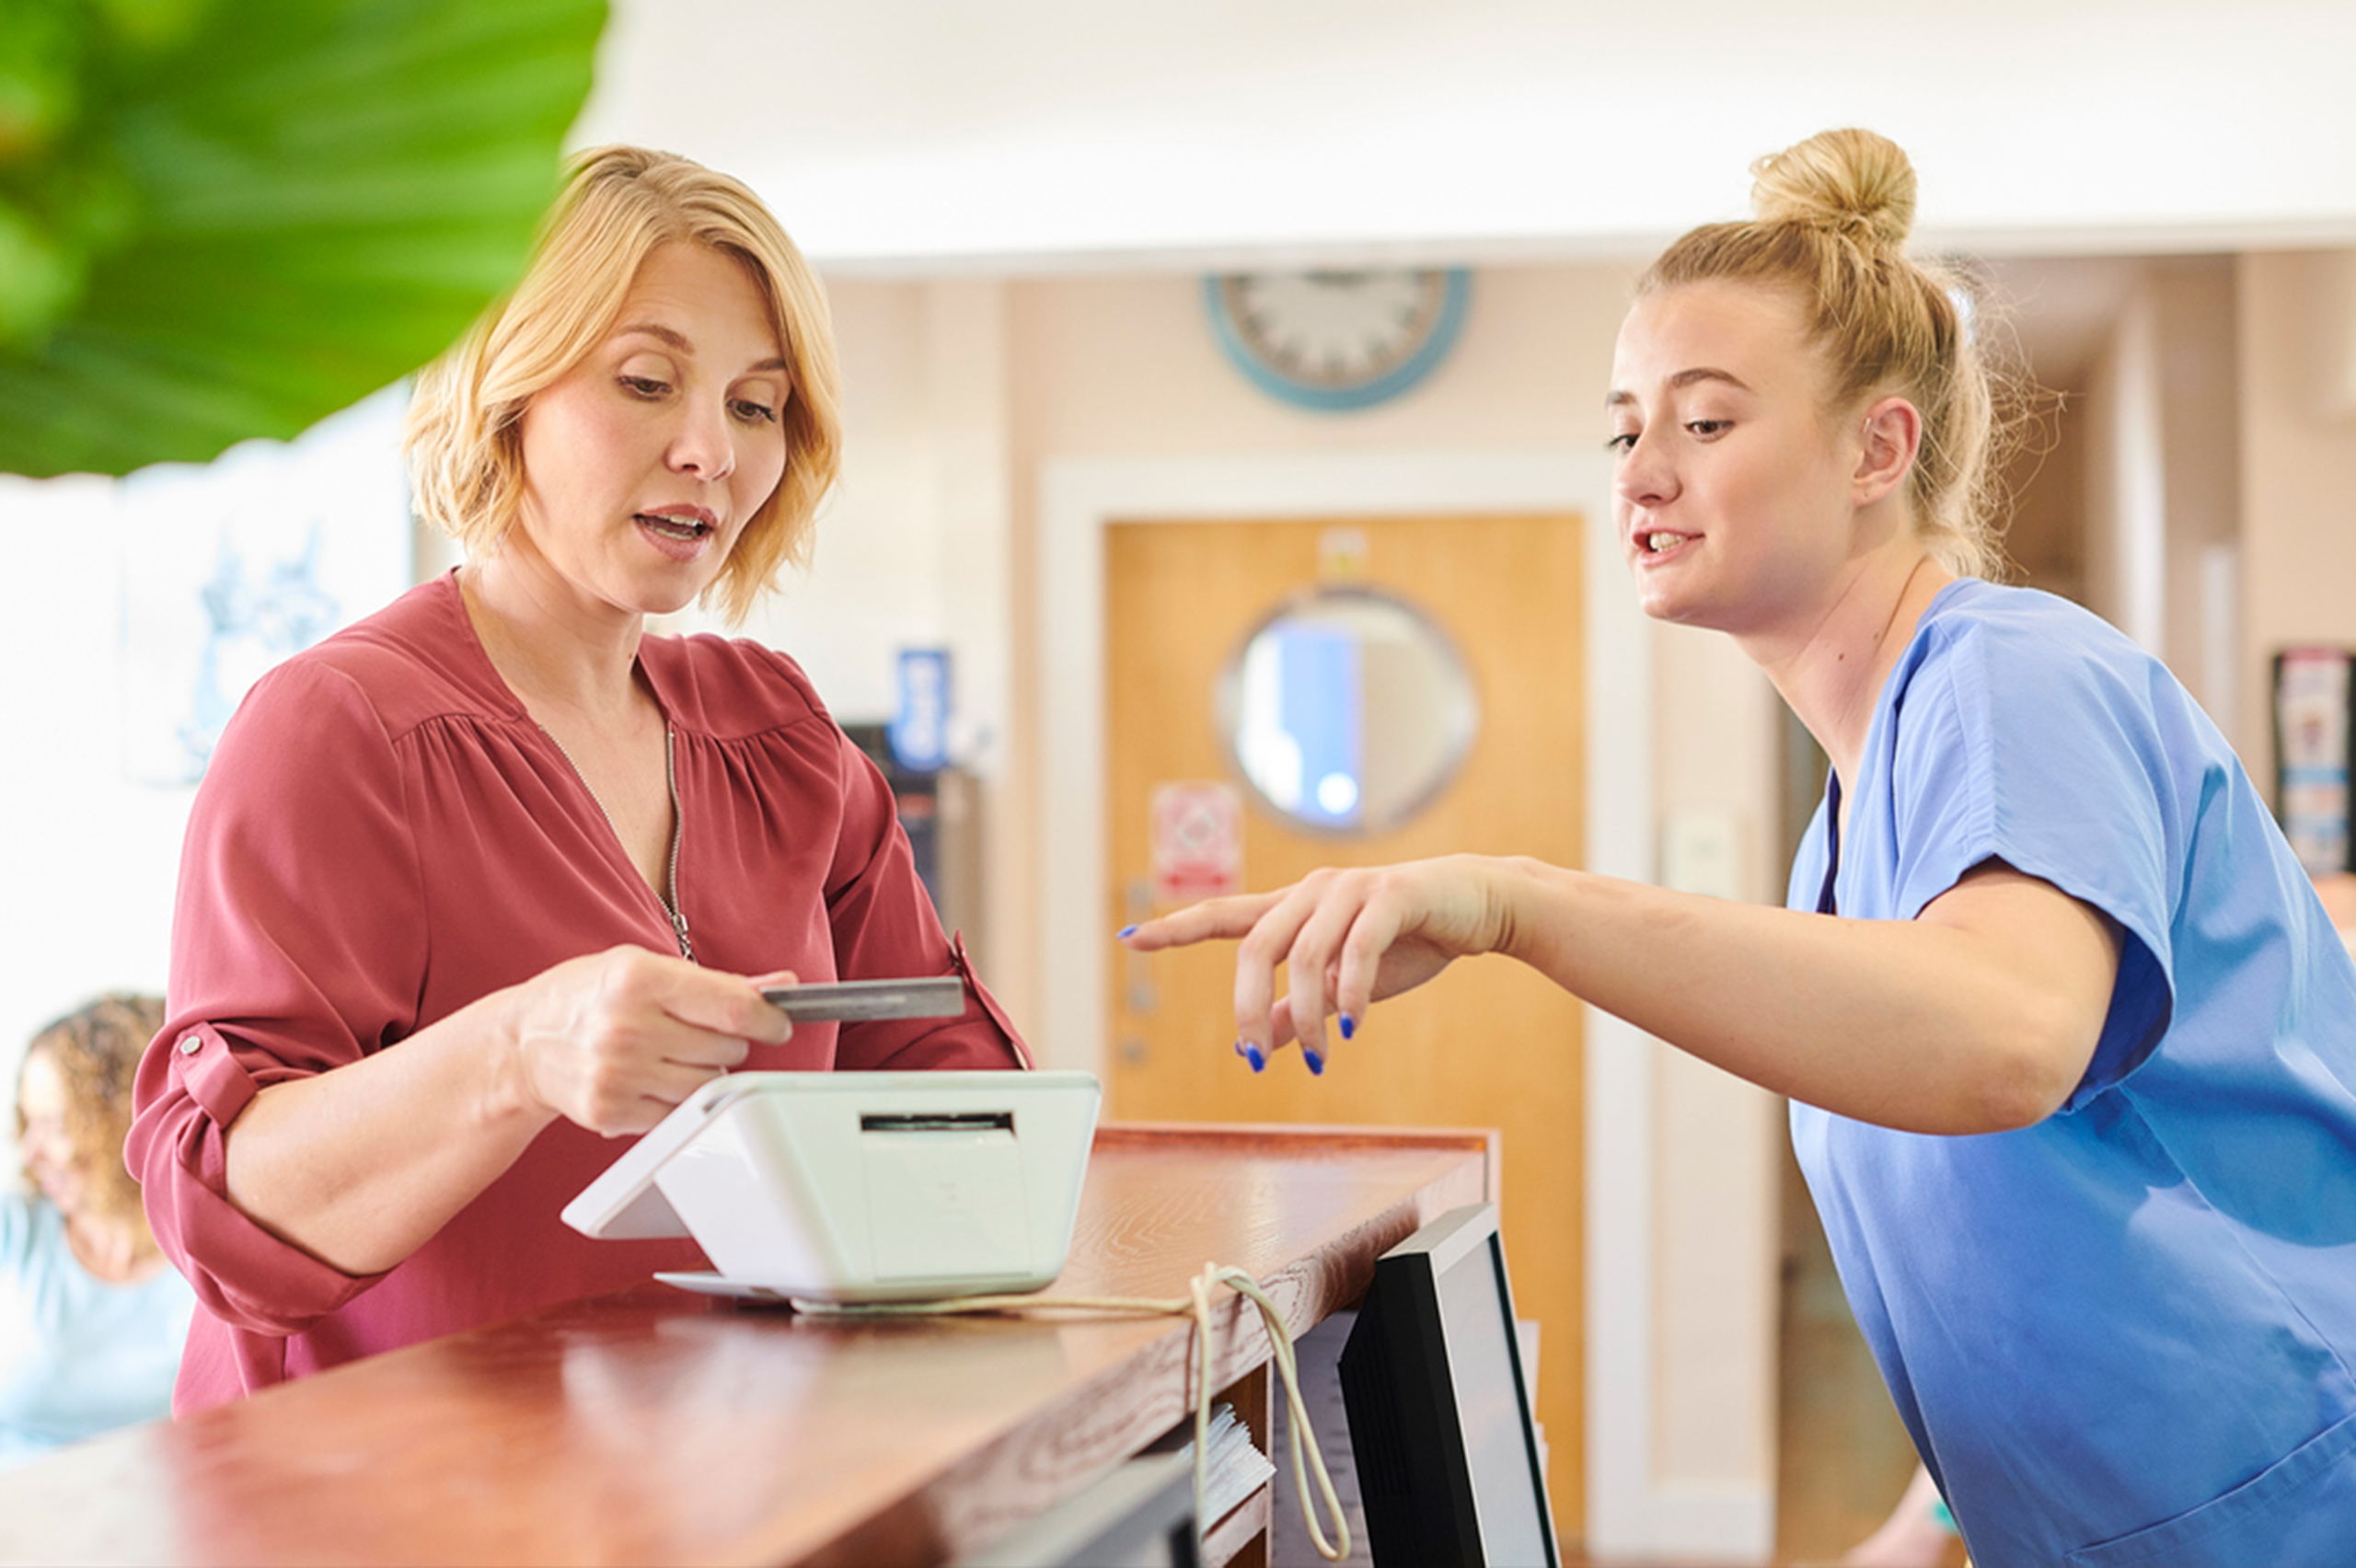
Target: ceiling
[923,137]
[1023,134]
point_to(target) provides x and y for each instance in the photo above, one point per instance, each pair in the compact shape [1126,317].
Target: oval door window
[1347,711]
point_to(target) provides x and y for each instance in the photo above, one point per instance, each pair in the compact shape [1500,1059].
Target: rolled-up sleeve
[298,945]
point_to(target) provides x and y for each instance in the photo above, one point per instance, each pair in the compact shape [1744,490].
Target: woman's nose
[704,446]
[1644,476]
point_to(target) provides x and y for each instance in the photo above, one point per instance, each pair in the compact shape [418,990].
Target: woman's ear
[1891,436]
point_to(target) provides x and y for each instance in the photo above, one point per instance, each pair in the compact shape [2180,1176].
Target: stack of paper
[1236,1469]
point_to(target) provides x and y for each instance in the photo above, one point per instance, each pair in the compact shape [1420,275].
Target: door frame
[1630,1508]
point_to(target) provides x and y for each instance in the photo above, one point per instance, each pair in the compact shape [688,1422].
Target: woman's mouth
[1654,543]
[679,535]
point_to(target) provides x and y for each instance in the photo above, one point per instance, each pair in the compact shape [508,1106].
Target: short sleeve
[298,945]
[884,927]
[2056,766]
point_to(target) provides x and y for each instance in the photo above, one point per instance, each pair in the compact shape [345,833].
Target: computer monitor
[1448,1459]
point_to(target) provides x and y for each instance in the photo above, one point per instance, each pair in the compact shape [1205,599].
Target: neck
[548,643]
[1832,674]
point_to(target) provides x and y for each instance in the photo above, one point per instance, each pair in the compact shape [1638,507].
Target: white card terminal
[860,1186]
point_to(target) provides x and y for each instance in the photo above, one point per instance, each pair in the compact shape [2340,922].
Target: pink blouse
[384,836]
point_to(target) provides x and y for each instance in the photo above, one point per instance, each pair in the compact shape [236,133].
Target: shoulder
[415,660]
[20,1230]
[731,688]
[2007,658]
[1987,622]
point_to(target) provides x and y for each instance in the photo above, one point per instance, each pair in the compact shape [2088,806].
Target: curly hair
[95,1050]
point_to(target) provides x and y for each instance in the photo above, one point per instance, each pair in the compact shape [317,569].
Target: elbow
[240,1273]
[2030,1069]
[230,1282]
[2012,1101]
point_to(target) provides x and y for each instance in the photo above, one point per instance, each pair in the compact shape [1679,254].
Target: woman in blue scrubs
[2069,1043]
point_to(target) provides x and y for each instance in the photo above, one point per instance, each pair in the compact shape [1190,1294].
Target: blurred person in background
[92,1316]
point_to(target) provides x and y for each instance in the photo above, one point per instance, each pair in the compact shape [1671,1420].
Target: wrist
[1520,886]
[508,1095]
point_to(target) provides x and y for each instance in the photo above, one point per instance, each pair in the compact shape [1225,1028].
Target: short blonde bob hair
[1832,215]
[618,205]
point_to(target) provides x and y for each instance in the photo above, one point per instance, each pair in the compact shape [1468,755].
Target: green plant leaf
[281,207]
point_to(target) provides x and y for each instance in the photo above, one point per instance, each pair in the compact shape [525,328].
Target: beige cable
[1198,1307]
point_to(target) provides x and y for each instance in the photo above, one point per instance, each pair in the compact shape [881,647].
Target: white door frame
[1629,1510]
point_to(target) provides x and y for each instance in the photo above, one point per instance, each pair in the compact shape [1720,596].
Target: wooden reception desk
[652,1426]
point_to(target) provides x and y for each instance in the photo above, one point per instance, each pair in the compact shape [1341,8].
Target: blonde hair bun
[1849,181]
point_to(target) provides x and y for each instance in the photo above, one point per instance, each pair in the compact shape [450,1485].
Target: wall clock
[1338,339]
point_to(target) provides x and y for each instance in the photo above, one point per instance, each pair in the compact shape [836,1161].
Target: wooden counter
[654,1426]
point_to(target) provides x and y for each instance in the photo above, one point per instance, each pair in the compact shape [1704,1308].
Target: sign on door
[1197,841]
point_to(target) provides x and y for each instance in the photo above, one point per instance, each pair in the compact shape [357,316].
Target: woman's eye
[645,386]
[1623,442]
[755,412]
[1707,428]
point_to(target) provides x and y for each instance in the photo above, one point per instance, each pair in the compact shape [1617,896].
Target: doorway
[1630,1508]
[1489,1044]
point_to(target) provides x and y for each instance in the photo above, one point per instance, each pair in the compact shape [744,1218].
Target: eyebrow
[678,340]
[1681,380]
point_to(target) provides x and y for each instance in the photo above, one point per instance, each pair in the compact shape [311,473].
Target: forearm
[360,1166]
[1908,1023]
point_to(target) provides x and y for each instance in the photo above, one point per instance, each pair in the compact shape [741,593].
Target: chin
[1661,606]
[668,597]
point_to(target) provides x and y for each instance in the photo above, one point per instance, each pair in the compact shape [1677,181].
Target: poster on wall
[229,567]
[2311,748]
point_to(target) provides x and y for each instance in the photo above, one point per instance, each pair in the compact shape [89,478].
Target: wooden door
[1489,1043]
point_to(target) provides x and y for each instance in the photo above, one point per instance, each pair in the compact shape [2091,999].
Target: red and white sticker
[1197,841]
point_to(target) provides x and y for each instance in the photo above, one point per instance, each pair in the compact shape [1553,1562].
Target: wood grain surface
[652,1426]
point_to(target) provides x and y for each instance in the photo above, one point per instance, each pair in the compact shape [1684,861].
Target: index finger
[1211,920]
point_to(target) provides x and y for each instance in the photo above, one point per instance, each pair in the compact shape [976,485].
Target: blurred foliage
[222,219]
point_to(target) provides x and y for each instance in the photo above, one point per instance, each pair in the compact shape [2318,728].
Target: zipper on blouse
[670,903]
[678,831]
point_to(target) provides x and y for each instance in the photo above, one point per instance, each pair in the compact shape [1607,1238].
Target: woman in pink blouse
[492,879]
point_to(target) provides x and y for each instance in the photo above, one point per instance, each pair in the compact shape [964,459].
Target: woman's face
[1733,493]
[48,1152]
[643,463]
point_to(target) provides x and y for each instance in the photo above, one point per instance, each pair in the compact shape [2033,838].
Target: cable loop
[1197,1306]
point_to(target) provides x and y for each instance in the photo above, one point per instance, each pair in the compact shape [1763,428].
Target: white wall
[100,702]
[2298,471]
[85,858]
[2164,489]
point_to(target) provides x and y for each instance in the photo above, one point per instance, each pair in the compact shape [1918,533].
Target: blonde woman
[2069,1043]
[91,1316]
[492,879]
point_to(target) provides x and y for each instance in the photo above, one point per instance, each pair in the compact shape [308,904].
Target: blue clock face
[1338,339]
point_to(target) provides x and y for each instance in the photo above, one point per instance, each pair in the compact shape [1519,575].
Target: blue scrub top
[2125,1334]
[78,1355]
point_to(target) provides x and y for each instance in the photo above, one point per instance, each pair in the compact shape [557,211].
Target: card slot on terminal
[939,1122]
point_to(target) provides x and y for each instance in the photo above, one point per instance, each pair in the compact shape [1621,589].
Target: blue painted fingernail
[1316,1063]
[1123,931]
[1239,1047]
[1349,1026]
[1252,1054]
